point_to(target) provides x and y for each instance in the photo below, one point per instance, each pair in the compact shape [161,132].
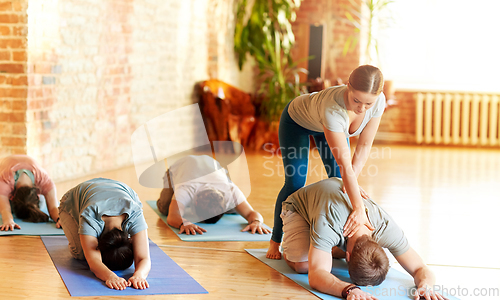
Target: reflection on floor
[447,201]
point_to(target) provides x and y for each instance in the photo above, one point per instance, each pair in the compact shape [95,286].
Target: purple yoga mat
[165,277]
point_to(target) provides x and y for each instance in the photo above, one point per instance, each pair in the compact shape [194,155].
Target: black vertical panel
[315,49]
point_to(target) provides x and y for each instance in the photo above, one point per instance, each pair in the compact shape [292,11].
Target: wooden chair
[228,112]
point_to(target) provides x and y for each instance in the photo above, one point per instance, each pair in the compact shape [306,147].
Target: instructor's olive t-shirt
[327,108]
[326,208]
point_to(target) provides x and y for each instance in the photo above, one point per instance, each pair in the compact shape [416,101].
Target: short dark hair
[209,205]
[116,249]
[26,205]
[368,264]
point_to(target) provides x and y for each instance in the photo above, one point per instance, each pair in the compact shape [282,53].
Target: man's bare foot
[274,250]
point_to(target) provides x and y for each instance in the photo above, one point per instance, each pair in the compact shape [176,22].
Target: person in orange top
[22,180]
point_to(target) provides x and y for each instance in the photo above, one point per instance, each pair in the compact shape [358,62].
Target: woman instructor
[331,117]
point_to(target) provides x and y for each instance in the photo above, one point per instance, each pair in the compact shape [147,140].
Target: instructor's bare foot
[274,250]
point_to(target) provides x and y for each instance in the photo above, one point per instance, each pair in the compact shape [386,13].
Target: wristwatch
[347,290]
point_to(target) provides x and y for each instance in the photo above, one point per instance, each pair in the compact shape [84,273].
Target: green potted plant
[265,32]
[370,18]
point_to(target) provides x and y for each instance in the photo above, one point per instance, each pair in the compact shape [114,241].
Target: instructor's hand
[361,192]
[356,219]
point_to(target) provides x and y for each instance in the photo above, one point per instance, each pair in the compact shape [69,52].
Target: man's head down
[368,263]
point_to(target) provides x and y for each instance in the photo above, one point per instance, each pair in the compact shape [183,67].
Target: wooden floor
[446,199]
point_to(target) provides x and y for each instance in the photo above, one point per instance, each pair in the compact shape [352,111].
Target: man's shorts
[296,237]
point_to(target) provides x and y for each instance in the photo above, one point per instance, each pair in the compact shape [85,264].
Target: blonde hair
[367,79]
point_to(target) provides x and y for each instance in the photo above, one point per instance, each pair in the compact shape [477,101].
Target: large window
[443,44]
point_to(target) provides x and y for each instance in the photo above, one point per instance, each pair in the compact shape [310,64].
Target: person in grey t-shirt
[313,220]
[105,225]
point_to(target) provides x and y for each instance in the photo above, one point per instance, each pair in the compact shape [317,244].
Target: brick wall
[330,14]
[93,71]
[13,80]
[88,73]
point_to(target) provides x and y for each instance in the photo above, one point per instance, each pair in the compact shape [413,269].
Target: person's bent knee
[302,267]
[163,203]
[299,267]
[76,253]
[70,228]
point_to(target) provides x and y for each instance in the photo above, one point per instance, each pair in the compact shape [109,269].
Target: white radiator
[458,118]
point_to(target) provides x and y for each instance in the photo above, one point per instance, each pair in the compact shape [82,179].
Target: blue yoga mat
[28,228]
[227,229]
[165,277]
[396,286]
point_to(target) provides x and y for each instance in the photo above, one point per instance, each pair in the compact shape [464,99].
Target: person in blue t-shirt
[104,224]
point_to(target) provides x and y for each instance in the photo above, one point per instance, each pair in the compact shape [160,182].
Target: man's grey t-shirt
[326,208]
